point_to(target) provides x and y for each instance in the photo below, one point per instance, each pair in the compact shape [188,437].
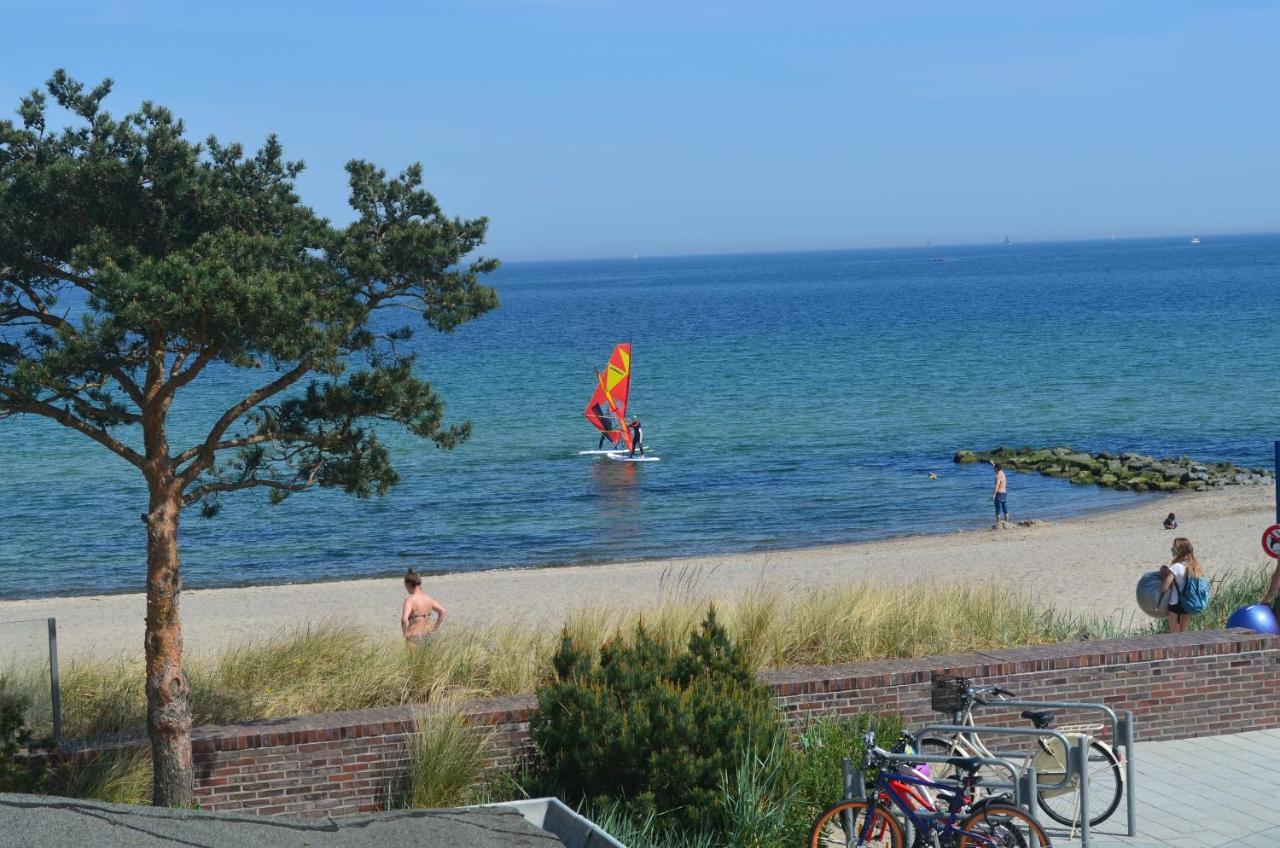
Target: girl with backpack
[1186,585]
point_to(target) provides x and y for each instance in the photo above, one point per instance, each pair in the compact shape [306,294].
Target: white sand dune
[1087,564]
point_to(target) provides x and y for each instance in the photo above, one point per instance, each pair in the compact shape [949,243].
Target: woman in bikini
[415,616]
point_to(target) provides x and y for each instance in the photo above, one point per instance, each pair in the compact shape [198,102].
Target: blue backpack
[1194,595]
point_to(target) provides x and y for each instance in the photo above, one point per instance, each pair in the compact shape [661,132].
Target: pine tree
[133,261]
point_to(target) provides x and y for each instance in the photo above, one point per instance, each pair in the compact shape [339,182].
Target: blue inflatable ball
[1257,617]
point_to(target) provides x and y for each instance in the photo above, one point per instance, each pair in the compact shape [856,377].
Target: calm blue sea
[795,399]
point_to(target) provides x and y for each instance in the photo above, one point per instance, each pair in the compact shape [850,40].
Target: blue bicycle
[964,823]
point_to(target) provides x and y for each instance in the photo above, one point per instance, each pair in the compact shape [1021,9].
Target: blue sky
[587,129]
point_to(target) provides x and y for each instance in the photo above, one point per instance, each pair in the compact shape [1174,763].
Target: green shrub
[822,747]
[656,727]
[19,771]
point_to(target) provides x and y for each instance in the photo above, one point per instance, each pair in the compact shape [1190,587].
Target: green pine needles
[137,264]
[659,728]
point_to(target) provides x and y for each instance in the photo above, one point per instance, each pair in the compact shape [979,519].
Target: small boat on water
[1196,240]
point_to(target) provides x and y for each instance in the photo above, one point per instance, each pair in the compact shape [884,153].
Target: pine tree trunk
[168,707]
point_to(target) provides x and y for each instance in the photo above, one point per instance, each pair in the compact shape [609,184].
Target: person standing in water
[415,615]
[999,496]
[637,436]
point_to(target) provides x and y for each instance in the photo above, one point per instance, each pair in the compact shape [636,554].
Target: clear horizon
[587,130]
[922,247]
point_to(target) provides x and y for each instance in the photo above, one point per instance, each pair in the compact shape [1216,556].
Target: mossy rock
[1121,487]
[1137,484]
[1197,485]
[1169,485]
[1084,478]
[1108,480]
[964,457]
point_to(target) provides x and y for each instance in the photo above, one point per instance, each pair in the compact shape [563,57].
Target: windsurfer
[637,436]
[607,409]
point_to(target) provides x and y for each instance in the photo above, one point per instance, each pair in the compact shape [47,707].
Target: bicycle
[989,823]
[1056,795]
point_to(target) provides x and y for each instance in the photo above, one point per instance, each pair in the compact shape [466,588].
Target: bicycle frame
[884,785]
[1047,754]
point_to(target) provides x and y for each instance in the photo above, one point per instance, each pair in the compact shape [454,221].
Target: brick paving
[1206,792]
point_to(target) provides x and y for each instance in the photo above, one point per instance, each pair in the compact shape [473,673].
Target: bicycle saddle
[1040,719]
[969,764]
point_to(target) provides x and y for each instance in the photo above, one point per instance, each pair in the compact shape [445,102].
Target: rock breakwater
[1123,472]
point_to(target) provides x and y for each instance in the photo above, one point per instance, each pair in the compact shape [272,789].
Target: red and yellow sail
[607,409]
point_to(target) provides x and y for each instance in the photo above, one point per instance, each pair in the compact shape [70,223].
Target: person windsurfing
[607,409]
[637,436]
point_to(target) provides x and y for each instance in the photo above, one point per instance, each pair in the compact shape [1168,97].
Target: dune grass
[325,667]
[447,758]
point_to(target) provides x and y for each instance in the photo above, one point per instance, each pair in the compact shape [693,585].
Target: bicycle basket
[948,694]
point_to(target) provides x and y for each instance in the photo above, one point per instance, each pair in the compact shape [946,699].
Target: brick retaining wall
[1178,686]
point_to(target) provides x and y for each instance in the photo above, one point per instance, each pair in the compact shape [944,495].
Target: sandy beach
[1087,564]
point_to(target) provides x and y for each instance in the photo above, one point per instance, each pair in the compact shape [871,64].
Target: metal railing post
[1027,783]
[855,785]
[1082,769]
[55,698]
[1126,741]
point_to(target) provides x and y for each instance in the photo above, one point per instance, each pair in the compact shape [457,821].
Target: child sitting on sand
[1171,523]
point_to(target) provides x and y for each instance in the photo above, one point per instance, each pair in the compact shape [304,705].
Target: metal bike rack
[1025,784]
[1122,738]
[971,729]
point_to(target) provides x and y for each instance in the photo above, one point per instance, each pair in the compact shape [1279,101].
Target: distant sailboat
[1196,240]
[1006,241]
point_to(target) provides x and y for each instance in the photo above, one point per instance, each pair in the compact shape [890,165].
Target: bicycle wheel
[1001,826]
[1106,784]
[841,826]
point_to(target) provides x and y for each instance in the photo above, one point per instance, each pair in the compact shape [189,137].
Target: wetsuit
[637,439]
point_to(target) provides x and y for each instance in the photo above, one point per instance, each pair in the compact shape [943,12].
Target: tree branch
[174,383]
[20,404]
[57,322]
[247,441]
[204,452]
[210,488]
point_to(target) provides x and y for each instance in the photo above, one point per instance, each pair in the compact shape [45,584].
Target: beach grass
[325,667]
[447,758]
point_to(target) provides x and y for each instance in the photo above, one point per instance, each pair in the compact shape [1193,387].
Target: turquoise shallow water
[795,399]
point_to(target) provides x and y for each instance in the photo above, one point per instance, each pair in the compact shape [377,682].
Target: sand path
[1088,564]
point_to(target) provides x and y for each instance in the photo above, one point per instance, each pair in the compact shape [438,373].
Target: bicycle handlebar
[976,693]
